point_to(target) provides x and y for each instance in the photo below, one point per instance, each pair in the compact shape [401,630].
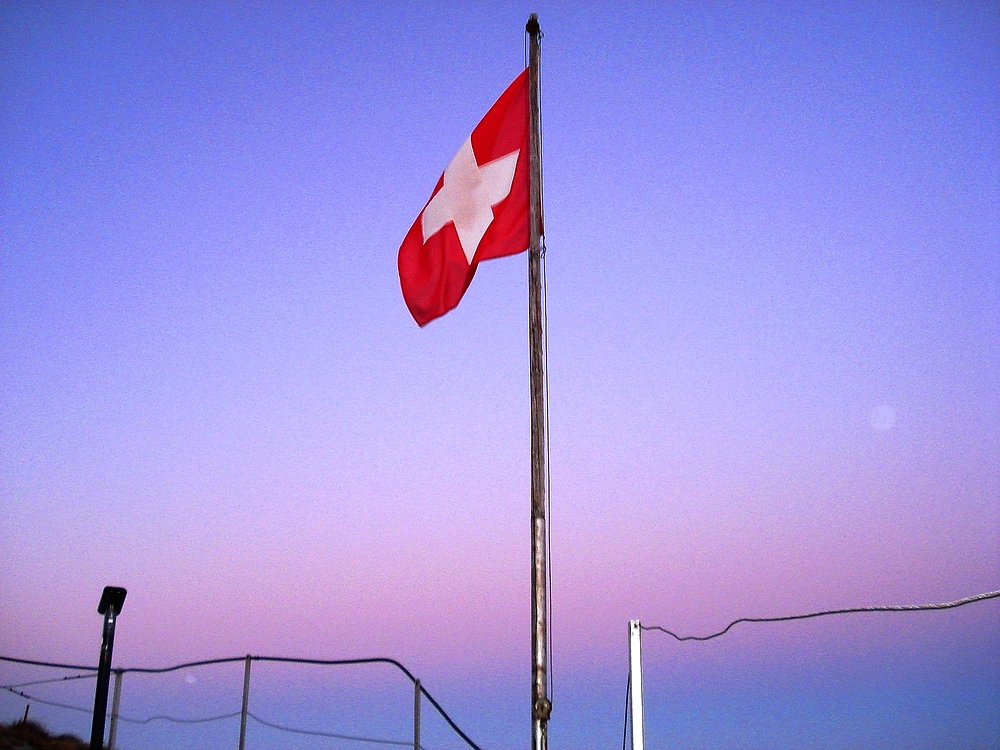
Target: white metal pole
[115,702]
[635,674]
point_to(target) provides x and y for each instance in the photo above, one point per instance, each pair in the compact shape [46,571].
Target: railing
[420,692]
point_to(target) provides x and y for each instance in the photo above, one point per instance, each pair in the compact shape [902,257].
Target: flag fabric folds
[477,211]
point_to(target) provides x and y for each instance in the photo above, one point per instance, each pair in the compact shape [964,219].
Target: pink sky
[774,346]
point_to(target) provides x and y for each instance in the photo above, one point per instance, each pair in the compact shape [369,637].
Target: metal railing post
[416,715]
[115,702]
[635,682]
[246,703]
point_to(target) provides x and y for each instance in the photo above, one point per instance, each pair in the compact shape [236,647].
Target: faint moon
[190,678]
[882,418]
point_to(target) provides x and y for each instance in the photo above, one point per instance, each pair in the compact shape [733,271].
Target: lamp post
[110,606]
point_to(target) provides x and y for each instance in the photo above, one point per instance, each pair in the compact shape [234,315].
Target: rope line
[231,659]
[628,700]
[54,665]
[549,650]
[543,252]
[53,679]
[378,660]
[826,612]
[45,702]
[333,735]
[81,709]
[283,659]
[175,720]
[207,719]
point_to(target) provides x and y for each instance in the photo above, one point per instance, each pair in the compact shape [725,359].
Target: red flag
[478,210]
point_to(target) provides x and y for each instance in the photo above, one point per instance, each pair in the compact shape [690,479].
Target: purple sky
[774,357]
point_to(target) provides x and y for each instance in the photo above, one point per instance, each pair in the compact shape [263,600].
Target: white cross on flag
[478,210]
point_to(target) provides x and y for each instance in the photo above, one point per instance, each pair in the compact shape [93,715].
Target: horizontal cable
[54,665]
[826,612]
[278,659]
[333,735]
[202,663]
[175,720]
[380,660]
[90,676]
[207,719]
[81,709]
[47,703]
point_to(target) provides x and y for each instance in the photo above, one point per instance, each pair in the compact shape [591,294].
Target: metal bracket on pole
[635,682]
[246,702]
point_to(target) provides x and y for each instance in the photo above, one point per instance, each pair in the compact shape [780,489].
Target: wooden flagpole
[541,707]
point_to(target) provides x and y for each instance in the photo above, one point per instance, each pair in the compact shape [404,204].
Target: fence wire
[16,689]
[985,596]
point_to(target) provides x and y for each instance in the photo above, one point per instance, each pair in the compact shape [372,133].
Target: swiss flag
[478,210]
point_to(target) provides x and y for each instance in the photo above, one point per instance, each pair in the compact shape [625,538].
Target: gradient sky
[773,238]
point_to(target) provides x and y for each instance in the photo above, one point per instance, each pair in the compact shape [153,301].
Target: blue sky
[774,337]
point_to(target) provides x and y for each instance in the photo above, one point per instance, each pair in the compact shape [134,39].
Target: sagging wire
[332,735]
[827,612]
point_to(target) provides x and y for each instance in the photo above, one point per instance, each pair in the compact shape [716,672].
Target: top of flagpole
[534,32]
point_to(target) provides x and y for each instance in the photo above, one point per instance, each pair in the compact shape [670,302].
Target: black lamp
[110,606]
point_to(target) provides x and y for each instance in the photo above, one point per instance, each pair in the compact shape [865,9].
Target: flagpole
[541,707]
